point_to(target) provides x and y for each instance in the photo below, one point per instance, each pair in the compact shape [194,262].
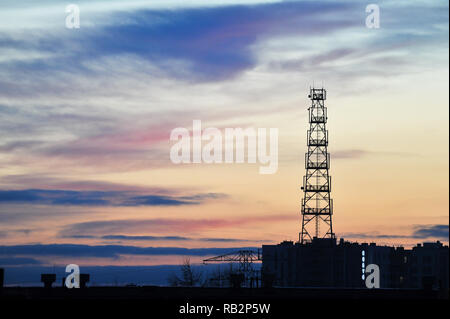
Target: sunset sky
[86,116]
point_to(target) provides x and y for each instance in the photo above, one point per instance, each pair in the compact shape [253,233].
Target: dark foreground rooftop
[193,293]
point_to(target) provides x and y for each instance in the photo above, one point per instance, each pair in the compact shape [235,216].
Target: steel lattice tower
[317,205]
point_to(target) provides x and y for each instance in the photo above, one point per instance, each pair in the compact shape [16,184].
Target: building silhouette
[324,262]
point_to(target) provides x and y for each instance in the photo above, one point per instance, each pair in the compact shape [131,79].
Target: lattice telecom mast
[317,205]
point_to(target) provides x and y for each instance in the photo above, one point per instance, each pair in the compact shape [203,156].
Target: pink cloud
[165,225]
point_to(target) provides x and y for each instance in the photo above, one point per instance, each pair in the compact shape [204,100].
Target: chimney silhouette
[2,275]
[84,278]
[48,280]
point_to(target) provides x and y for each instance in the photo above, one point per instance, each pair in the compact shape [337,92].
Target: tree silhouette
[189,276]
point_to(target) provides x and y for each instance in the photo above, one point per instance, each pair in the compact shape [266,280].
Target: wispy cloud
[145,238]
[50,182]
[108,251]
[418,232]
[431,231]
[345,154]
[160,225]
[162,51]
[358,153]
[210,43]
[98,198]
[373,235]
[15,261]
[158,238]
